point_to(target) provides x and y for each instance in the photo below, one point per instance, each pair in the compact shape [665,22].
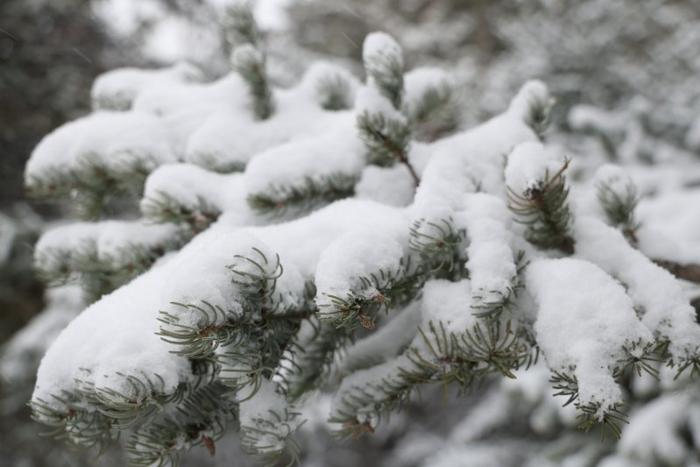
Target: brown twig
[689,272]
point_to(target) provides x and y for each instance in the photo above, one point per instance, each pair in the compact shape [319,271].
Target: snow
[371,101]
[197,273]
[357,254]
[584,320]
[117,89]
[614,178]
[123,343]
[668,229]
[388,185]
[420,80]
[453,171]
[608,296]
[378,48]
[448,303]
[530,165]
[194,189]
[115,243]
[335,152]
[491,263]
[532,95]
[201,273]
[666,311]
[117,143]
[230,136]
[322,74]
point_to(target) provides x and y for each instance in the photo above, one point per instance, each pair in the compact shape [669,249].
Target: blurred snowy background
[626,75]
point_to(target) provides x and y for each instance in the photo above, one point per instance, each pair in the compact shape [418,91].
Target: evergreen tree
[301,255]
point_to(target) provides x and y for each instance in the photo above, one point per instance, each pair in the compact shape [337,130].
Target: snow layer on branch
[491,262]
[196,98]
[117,333]
[655,430]
[584,320]
[114,335]
[194,189]
[206,271]
[529,165]
[117,89]
[448,303]
[358,254]
[199,272]
[111,242]
[666,311]
[669,230]
[337,151]
[389,185]
[614,177]
[379,43]
[185,107]
[118,143]
[421,80]
[472,160]
[378,50]
[370,100]
[229,138]
[610,184]
[324,81]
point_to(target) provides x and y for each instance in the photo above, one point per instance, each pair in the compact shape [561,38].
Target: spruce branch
[334,92]
[619,207]
[268,437]
[308,357]
[493,308]
[435,114]
[387,140]
[162,207]
[383,61]
[544,210]
[250,64]
[442,246]
[303,196]
[239,24]
[383,289]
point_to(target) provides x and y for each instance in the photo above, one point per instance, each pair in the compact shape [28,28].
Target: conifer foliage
[300,244]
